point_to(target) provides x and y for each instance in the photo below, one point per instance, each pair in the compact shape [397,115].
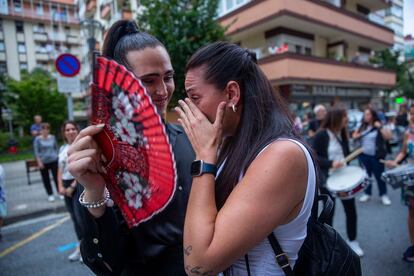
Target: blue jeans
[374,166]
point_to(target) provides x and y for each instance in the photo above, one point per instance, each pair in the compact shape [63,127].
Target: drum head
[345,179]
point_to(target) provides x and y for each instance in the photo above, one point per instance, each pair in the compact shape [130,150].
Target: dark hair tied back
[124,36]
[251,55]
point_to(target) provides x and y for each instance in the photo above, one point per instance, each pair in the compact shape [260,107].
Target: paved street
[45,252]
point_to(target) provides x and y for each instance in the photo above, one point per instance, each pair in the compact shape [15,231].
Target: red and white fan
[141,174]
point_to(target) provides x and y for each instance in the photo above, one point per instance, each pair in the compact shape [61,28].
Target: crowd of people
[218,222]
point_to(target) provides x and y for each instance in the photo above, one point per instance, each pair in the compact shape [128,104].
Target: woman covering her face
[252,174]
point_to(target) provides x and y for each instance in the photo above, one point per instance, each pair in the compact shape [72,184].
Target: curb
[38,213]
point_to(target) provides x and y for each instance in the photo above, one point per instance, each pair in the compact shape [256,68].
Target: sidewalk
[27,201]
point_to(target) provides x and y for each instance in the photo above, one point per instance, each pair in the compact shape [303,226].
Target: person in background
[67,183]
[320,113]
[46,153]
[407,192]
[154,247]
[3,205]
[402,117]
[373,139]
[331,144]
[36,127]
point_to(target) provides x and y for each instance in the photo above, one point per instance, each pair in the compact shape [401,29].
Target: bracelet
[106,200]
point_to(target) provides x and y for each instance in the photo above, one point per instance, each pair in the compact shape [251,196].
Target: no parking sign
[67,65]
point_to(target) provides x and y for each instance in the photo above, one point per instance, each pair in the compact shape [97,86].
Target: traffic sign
[68,85]
[67,65]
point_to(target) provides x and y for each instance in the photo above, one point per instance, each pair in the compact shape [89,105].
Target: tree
[405,80]
[36,93]
[183,26]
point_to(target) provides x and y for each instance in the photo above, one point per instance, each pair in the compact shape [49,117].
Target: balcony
[40,36]
[42,56]
[2,56]
[72,39]
[286,68]
[314,17]
[28,14]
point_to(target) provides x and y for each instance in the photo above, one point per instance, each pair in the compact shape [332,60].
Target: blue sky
[409,17]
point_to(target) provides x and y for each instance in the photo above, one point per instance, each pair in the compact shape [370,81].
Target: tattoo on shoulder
[198,270]
[187,250]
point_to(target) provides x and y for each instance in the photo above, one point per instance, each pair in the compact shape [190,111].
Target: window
[2,48]
[67,30]
[1,25]
[56,28]
[17,5]
[362,10]
[19,27]
[39,28]
[41,48]
[395,10]
[21,48]
[226,6]
[23,66]
[3,67]
[397,28]
[39,9]
[298,49]
[308,51]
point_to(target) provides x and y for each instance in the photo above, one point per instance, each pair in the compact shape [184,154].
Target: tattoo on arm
[187,250]
[198,270]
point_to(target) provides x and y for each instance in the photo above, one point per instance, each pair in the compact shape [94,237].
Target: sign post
[68,66]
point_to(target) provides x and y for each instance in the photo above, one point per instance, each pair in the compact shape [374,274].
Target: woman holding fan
[154,247]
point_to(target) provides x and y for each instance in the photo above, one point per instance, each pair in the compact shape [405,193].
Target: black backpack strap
[282,258]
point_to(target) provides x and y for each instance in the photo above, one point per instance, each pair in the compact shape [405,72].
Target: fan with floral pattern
[141,174]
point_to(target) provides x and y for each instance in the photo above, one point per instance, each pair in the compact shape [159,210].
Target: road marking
[68,246]
[33,221]
[32,237]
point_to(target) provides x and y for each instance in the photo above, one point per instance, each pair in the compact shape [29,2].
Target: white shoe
[364,198]
[75,256]
[386,200]
[51,198]
[356,248]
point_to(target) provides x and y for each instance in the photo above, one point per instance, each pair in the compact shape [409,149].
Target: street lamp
[92,29]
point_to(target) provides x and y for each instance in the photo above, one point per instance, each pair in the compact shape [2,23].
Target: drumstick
[353,155]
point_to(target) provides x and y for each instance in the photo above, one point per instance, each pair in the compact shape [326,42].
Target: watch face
[196,167]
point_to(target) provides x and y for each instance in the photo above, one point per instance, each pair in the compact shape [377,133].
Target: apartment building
[34,32]
[314,51]
[394,19]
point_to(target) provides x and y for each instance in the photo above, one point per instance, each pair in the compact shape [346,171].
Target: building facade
[33,33]
[394,19]
[314,51]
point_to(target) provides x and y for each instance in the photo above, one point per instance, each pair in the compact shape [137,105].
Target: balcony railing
[32,14]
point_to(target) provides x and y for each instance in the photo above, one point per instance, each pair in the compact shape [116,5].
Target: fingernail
[103,158]
[100,125]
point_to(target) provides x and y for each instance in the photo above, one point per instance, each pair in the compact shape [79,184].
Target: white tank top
[290,236]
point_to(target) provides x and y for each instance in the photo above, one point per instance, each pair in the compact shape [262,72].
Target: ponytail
[125,36]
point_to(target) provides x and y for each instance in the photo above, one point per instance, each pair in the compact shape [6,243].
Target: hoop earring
[234,108]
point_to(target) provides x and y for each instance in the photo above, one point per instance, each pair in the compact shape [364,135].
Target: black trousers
[53,167]
[70,205]
[350,214]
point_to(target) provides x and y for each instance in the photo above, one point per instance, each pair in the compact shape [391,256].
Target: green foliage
[36,93]
[405,80]
[183,26]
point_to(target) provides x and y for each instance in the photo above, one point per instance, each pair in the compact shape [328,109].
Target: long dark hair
[125,36]
[364,124]
[264,116]
[333,121]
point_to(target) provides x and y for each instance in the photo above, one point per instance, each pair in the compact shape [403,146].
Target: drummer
[331,146]
[407,150]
